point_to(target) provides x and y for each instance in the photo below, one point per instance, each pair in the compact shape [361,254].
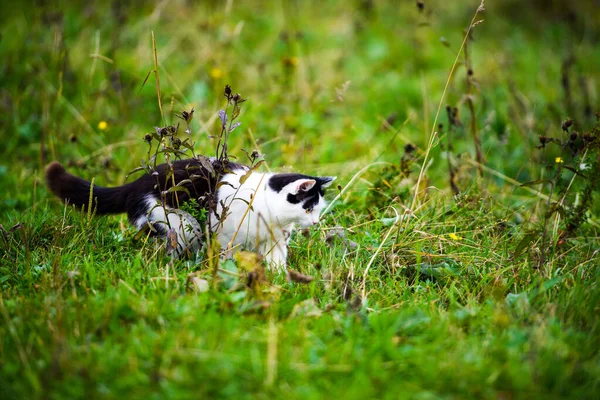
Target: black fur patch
[279,181]
[309,199]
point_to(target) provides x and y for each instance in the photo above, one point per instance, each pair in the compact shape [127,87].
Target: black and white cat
[261,209]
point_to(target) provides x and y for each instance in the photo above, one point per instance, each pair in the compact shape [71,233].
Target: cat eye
[309,210]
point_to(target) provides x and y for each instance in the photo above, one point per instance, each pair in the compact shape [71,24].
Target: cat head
[300,197]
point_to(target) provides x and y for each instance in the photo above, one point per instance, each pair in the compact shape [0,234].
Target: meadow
[459,257]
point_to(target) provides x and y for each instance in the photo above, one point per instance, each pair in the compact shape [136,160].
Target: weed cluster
[575,182]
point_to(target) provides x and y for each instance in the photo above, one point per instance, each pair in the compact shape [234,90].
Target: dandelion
[102,125]
[558,160]
[455,237]
[216,73]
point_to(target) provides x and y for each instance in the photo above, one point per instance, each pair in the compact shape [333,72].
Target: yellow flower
[102,125]
[454,236]
[216,73]
[558,160]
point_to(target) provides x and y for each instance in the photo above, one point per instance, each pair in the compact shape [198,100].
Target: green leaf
[228,272]
[258,164]
[573,170]
[306,308]
[537,182]
[146,79]
[440,270]
[245,177]
[518,302]
[177,189]
[524,243]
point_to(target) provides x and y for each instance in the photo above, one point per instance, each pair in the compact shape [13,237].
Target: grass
[480,295]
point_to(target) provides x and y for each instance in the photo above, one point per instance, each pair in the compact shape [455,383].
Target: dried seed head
[573,136]
[294,276]
[409,148]
[256,277]
[290,62]
[567,124]
[187,116]
[227,91]
[176,143]
[587,137]
[148,138]
[391,119]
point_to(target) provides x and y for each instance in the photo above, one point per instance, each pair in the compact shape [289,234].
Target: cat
[251,210]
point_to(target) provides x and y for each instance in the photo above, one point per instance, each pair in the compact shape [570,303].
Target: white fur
[258,218]
[185,226]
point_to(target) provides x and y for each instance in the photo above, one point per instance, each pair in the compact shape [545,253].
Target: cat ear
[326,180]
[303,185]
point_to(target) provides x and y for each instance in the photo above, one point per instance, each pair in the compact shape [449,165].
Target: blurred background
[332,86]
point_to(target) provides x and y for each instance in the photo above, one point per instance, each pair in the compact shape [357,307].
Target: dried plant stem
[566,83]
[372,259]
[451,171]
[95,56]
[542,261]
[230,244]
[548,215]
[469,99]
[257,147]
[156,75]
[437,114]
[222,142]
[510,180]
[560,203]
[90,202]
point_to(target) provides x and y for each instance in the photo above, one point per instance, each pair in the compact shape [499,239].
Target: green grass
[450,302]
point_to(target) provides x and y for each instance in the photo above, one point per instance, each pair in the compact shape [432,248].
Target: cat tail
[76,191]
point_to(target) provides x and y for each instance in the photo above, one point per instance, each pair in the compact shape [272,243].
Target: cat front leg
[276,255]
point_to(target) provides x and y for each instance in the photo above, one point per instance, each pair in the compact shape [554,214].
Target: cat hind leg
[182,230]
